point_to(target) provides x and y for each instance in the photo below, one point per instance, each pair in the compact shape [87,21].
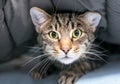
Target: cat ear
[93,19]
[38,17]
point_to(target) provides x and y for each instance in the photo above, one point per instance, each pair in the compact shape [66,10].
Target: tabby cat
[66,39]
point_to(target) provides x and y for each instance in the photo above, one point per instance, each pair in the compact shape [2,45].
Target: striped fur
[77,63]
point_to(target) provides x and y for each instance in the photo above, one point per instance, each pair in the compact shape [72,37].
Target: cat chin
[66,61]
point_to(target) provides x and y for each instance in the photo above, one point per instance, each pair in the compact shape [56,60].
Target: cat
[67,40]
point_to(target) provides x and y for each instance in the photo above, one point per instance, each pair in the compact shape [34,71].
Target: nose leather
[66,49]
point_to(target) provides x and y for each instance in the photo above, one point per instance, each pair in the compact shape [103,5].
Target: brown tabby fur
[64,23]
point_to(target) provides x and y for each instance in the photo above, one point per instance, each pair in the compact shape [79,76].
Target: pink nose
[65,49]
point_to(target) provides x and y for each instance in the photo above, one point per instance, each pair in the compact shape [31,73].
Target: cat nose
[66,49]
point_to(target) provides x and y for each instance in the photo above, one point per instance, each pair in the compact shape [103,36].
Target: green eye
[53,35]
[76,33]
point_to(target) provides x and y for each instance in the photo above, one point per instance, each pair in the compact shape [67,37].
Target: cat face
[66,36]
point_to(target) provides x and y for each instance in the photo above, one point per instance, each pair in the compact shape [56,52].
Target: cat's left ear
[39,17]
[93,19]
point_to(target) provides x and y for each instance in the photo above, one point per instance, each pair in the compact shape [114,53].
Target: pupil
[53,34]
[76,32]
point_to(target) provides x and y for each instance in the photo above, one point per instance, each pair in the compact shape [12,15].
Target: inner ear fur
[39,17]
[92,18]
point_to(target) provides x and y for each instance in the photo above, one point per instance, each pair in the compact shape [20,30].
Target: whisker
[101,59]
[101,53]
[90,53]
[36,50]
[34,47]
[93,50]
[96,56]
[46,67]
[35,59]
[38,64]
[99,47]
[91,58]
[46,62]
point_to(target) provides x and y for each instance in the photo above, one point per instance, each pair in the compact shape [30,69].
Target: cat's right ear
[38,17]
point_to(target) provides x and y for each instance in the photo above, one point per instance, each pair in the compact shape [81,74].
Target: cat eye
[53,35]
[76,33]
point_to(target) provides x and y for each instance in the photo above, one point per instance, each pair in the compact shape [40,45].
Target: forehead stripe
[58,21]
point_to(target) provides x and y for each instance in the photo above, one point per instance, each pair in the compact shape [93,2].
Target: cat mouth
[66,57]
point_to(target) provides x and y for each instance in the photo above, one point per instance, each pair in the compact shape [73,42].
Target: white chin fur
[66,61]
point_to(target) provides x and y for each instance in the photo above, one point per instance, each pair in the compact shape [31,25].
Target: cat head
[66,36]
